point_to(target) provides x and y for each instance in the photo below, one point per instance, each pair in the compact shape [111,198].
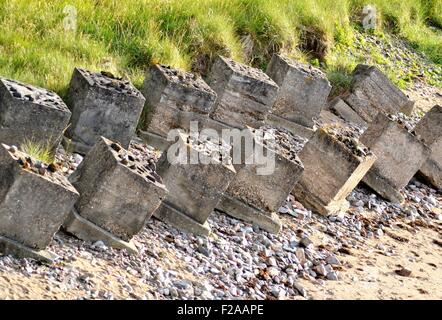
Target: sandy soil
[370,273]
[366,273]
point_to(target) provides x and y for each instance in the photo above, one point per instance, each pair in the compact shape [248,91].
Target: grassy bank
[126,36]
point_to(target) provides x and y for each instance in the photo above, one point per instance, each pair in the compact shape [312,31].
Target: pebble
[99,245]
[432,200]
[306,242]
[359,203]
[235,256]
[182,284]
[273,272]
[300,254]
[320,269]
[403,272]
[204,247]
[272,262]
[173,292]
[416,199]
[333,260]
[278,293]
[300,289]
[77,158]
[332,276]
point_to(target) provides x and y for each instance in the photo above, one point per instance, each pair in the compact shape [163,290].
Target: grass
[125,37]
[38,150]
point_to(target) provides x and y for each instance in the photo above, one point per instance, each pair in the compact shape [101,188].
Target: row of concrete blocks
[329,166]
[196,190]
[401,152]
[398,154]
[324,185]
[109,198]
[291,95]
[113,192]
[239,96]
[258,209]
[428,131]
[332,169]
[372,92]
[103,105]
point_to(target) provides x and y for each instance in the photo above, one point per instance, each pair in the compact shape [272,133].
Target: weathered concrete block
[102,105]
[195,181]
[34,199]
[88,231]
[371,91]
[400,155]
[118,190]
[31,113]
[303,90]
[343,110]
[181,221]
[245,94]
[182,123]
[334,163]
[292,127]
[177,89]
[429,131]
[328,117]
[14,248]
[268,221]
[256,197]
[173,99]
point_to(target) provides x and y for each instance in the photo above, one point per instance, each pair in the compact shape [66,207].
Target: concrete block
[267,221]
[85,230]
[256,197]
[245,94]
[303,90]
[102,105]
[34,199]
[343,110]
[119,190]
[371,91]
[194,188]
[181,221]
[173,99]
[292,127]
[14,248]
[31,113]
[183,119]
[177,89]
[399,153]
[334,163]
[328,117]
[429,131]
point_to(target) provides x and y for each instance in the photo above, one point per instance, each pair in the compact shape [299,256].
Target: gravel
[237,261]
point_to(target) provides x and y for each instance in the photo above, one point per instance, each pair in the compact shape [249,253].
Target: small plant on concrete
[38,150]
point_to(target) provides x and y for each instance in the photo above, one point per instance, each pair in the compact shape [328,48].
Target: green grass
[39,151]
[124,37]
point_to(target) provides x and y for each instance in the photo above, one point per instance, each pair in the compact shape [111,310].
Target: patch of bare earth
[371,271]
